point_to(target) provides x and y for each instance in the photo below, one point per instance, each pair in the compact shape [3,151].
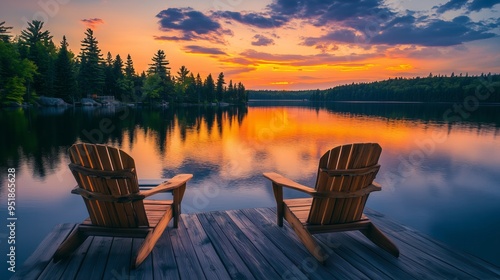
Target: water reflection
[441,178]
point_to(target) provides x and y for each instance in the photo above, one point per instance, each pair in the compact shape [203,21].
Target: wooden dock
[247,244]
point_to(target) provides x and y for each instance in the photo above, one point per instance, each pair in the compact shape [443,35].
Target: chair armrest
[336,194]
[169,185]
[285,182]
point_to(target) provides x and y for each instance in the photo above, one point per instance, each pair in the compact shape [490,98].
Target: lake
[440,167]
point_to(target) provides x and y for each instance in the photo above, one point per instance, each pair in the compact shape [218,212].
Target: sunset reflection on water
[439,178]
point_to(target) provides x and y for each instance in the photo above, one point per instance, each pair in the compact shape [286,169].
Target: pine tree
[159,65]
[91,75]
[182,74]
[220,88]
[230,92]
[109,79]
[181,84]
[160,68]
[64,80]
[129,68]
[4,32]
[39,48]
[199,88]
[209,89]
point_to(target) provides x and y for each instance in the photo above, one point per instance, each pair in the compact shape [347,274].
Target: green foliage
[91,73]
[15,74]
[152,87]
[430,89]
[219,90]
[280,94]
[209,89]
[456,88]
[38,47]
[65,86]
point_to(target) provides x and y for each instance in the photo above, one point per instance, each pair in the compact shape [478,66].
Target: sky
[282,44]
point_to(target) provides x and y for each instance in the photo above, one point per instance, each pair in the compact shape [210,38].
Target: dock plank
[94,264]
[233,262]
[253,259]
[340,268]
[210,262]
[164,259]
[248,244]
[34,266]
[276,258]
[185,254]
[439,253]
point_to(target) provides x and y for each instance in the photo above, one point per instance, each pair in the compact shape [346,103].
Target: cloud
[451,5]
[322,12]
[260,20]
[477,5]
[204,50]
[435,32]
[261,40]
[403,29]
[361,22]
[186,24]
[92,23]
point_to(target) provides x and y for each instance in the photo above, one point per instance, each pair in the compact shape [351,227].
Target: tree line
[434,88]
[31,65]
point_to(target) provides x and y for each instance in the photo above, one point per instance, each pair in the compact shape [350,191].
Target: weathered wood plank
[164,264]
[297,254]
[67,268]
[207,256]
[436,250]
[94,264]
[118,261]
[277,260]
[367,250]
[227,253]
[368,262]
[254,260]
[247,244]
[334,263]
[146,270]
[75,261]
[41,257]
[185,254]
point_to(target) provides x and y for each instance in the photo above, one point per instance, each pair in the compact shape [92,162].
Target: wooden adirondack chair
[344,181]
[107,181]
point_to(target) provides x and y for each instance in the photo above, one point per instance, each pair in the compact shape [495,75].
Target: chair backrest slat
[102,213]
[326,211]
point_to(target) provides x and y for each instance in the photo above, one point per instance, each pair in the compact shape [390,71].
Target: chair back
[105,173]
[346,168]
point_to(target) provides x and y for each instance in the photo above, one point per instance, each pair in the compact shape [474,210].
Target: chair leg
[74,240]
[380,239]
[278,196]
[305,236]
[151,239]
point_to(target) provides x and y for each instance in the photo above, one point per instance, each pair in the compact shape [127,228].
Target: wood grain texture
[247,244]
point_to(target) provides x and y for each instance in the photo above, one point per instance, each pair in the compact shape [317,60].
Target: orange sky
[268,45]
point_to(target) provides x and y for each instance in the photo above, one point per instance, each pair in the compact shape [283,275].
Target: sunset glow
[276,44]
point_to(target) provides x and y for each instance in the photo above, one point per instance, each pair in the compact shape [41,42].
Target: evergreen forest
[31,66]
[484,88]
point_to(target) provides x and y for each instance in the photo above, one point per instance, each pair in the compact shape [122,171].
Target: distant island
[484,88]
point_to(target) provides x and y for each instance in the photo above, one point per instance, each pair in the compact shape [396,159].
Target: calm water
[441,178]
